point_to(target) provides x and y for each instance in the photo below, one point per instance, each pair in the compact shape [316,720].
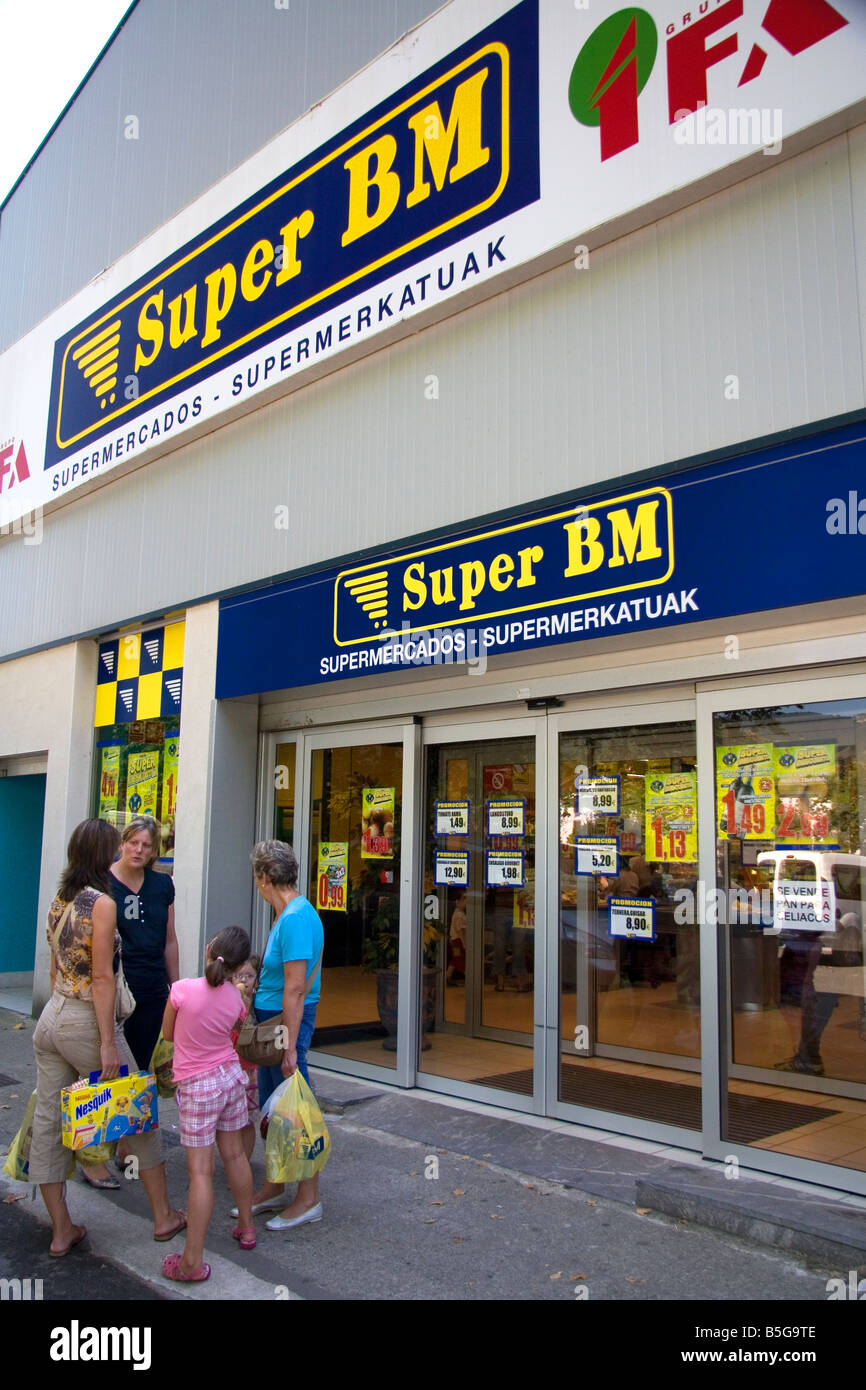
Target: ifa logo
[14,467]
[615,63]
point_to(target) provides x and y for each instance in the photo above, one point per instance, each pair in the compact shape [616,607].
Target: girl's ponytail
[227,953]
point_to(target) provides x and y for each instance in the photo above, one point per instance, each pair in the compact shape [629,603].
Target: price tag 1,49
[452,817]
[632,919]
[597,854]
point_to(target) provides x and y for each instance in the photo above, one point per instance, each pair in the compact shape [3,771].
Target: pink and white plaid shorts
[214,1102]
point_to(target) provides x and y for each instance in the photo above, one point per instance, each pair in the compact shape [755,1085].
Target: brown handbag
[261,1043]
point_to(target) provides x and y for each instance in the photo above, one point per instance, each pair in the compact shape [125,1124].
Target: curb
[818,1230]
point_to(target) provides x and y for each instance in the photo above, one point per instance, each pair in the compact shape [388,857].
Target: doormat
[666,1102]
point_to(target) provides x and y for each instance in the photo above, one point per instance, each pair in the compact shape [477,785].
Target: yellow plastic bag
[17,1163]
[298,1143]
[161,1064]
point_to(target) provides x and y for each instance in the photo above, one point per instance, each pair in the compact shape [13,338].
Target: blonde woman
[145,920]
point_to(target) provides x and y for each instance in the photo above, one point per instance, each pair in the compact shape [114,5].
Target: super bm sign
[603,548]
[444,157]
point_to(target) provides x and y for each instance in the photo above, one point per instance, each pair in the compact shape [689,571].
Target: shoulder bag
[258,1043]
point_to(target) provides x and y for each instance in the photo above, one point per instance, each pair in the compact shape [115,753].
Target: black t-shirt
[142,920]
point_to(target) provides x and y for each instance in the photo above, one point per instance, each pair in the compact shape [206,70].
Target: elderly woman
[77,1032]
[289,985]
[145,920]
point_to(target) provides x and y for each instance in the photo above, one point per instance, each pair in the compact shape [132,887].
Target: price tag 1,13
[452,817]
[451,868]
[504,869]
[596,854]
[598,796]
[632,919]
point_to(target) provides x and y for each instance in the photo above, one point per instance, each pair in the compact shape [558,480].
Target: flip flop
[171,1270]
[246,1236]
[59,1254]
[175,1231]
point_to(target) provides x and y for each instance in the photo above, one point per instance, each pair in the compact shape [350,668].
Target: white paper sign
[797,906]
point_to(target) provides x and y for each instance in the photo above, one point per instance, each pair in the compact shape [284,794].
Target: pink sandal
[171,1270]
[246,1236]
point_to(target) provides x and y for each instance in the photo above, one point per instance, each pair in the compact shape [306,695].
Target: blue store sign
[446,156]
[774,528]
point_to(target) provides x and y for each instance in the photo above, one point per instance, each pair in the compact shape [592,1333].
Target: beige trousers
[66,1043]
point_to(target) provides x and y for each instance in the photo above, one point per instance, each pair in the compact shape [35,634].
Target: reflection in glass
[355,885]
[791,880]
[479,933]
[629,948]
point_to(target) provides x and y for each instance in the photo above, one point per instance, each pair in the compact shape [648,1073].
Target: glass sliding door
[790,834]
[478,979]
[629,963]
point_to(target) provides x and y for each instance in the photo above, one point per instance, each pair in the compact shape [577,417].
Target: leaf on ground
[643,1211]
[17,1027]
[458,1240]
[572,1278]
[15,1197]
[413,1172]
[436,1204]
[459,1192]
[494,1216]
[558,1275]
[487,1155]
[591,1203]
[5,1107]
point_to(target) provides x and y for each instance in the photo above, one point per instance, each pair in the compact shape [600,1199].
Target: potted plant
[381,955]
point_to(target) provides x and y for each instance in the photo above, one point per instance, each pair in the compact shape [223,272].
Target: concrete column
[216,798]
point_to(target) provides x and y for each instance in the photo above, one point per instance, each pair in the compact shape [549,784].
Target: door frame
[474,1025]
[612,716]
[812,687]
[530,727]
[406,732]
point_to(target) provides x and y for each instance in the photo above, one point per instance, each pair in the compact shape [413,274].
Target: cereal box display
[98,1112]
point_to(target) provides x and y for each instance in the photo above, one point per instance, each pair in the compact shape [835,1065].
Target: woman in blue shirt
[289,984]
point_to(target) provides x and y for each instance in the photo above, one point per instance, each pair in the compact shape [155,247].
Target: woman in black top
[145,920]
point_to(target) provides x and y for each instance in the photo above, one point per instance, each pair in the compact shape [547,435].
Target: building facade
[441,447]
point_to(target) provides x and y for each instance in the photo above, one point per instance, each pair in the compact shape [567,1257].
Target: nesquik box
[98,1112]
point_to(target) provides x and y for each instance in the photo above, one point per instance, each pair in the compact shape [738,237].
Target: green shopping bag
[161,1064]
[17,1163]
[298,1143]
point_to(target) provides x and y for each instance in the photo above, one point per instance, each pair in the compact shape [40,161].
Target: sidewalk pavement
[426,1198]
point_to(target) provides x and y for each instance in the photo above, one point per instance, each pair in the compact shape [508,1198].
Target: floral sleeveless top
[73,955]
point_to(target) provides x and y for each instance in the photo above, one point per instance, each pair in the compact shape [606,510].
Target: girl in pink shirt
[211,1096]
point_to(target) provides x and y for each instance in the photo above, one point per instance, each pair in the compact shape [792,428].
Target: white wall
[574,378]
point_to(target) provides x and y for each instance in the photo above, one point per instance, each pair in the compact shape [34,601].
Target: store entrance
[628,931]
[479,950]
